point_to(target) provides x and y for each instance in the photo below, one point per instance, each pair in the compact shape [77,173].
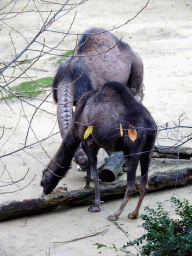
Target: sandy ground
[162,35]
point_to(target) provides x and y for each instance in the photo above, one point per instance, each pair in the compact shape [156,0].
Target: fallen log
[112,168]
[114,164]
[172,152]
[108,191]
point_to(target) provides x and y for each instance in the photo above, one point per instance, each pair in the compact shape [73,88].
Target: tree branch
[158,181]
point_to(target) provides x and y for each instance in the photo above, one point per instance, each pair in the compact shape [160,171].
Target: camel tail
[70,83]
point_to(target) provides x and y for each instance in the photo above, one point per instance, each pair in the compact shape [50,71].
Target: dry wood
[172,152]
[112,168]
[108,191]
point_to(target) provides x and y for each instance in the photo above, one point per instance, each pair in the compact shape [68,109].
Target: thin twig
[17,181]
[43,28]
[80,238]
[10,192]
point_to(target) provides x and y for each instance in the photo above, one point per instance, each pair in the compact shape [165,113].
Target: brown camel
[99,57]
[111,112]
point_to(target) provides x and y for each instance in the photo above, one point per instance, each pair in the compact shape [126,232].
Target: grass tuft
[30,88]
[64,58]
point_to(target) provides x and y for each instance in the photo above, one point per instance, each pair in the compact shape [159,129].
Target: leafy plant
[165,236]
[121,249]
[30,88]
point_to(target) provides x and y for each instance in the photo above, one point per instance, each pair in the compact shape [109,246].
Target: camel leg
[131,172]
[88,178]
[95,207]
[134,214]
[91,150]
[135,81]
[122,206]
[145,162]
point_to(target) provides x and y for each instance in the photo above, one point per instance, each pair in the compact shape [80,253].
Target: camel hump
[98,38]
[121,91]
[117,87]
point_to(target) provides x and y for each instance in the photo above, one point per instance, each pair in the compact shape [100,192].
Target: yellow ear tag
[88,131]
[121,130]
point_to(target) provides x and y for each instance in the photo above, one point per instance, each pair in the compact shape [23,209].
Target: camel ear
[88,131]
[132,133]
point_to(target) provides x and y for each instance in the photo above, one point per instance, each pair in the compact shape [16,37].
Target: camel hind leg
[131,172]
[135,80]
[144,162]
[91,149]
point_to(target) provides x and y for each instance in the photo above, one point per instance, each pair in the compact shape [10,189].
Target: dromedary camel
[111,112]
[98,58]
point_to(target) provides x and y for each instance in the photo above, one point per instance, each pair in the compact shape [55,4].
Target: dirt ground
[162,36]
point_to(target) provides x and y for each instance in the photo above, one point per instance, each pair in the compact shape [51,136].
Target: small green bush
[165,236]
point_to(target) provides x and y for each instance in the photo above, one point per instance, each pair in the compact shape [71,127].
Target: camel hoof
[132,215]
[94,209]
[112,217]
[87,187]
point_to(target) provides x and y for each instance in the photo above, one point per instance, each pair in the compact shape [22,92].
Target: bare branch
[47,24]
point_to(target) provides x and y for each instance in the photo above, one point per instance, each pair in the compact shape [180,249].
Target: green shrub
[164,236]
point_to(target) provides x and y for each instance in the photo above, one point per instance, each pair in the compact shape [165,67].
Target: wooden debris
[108,191]
[172,152]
